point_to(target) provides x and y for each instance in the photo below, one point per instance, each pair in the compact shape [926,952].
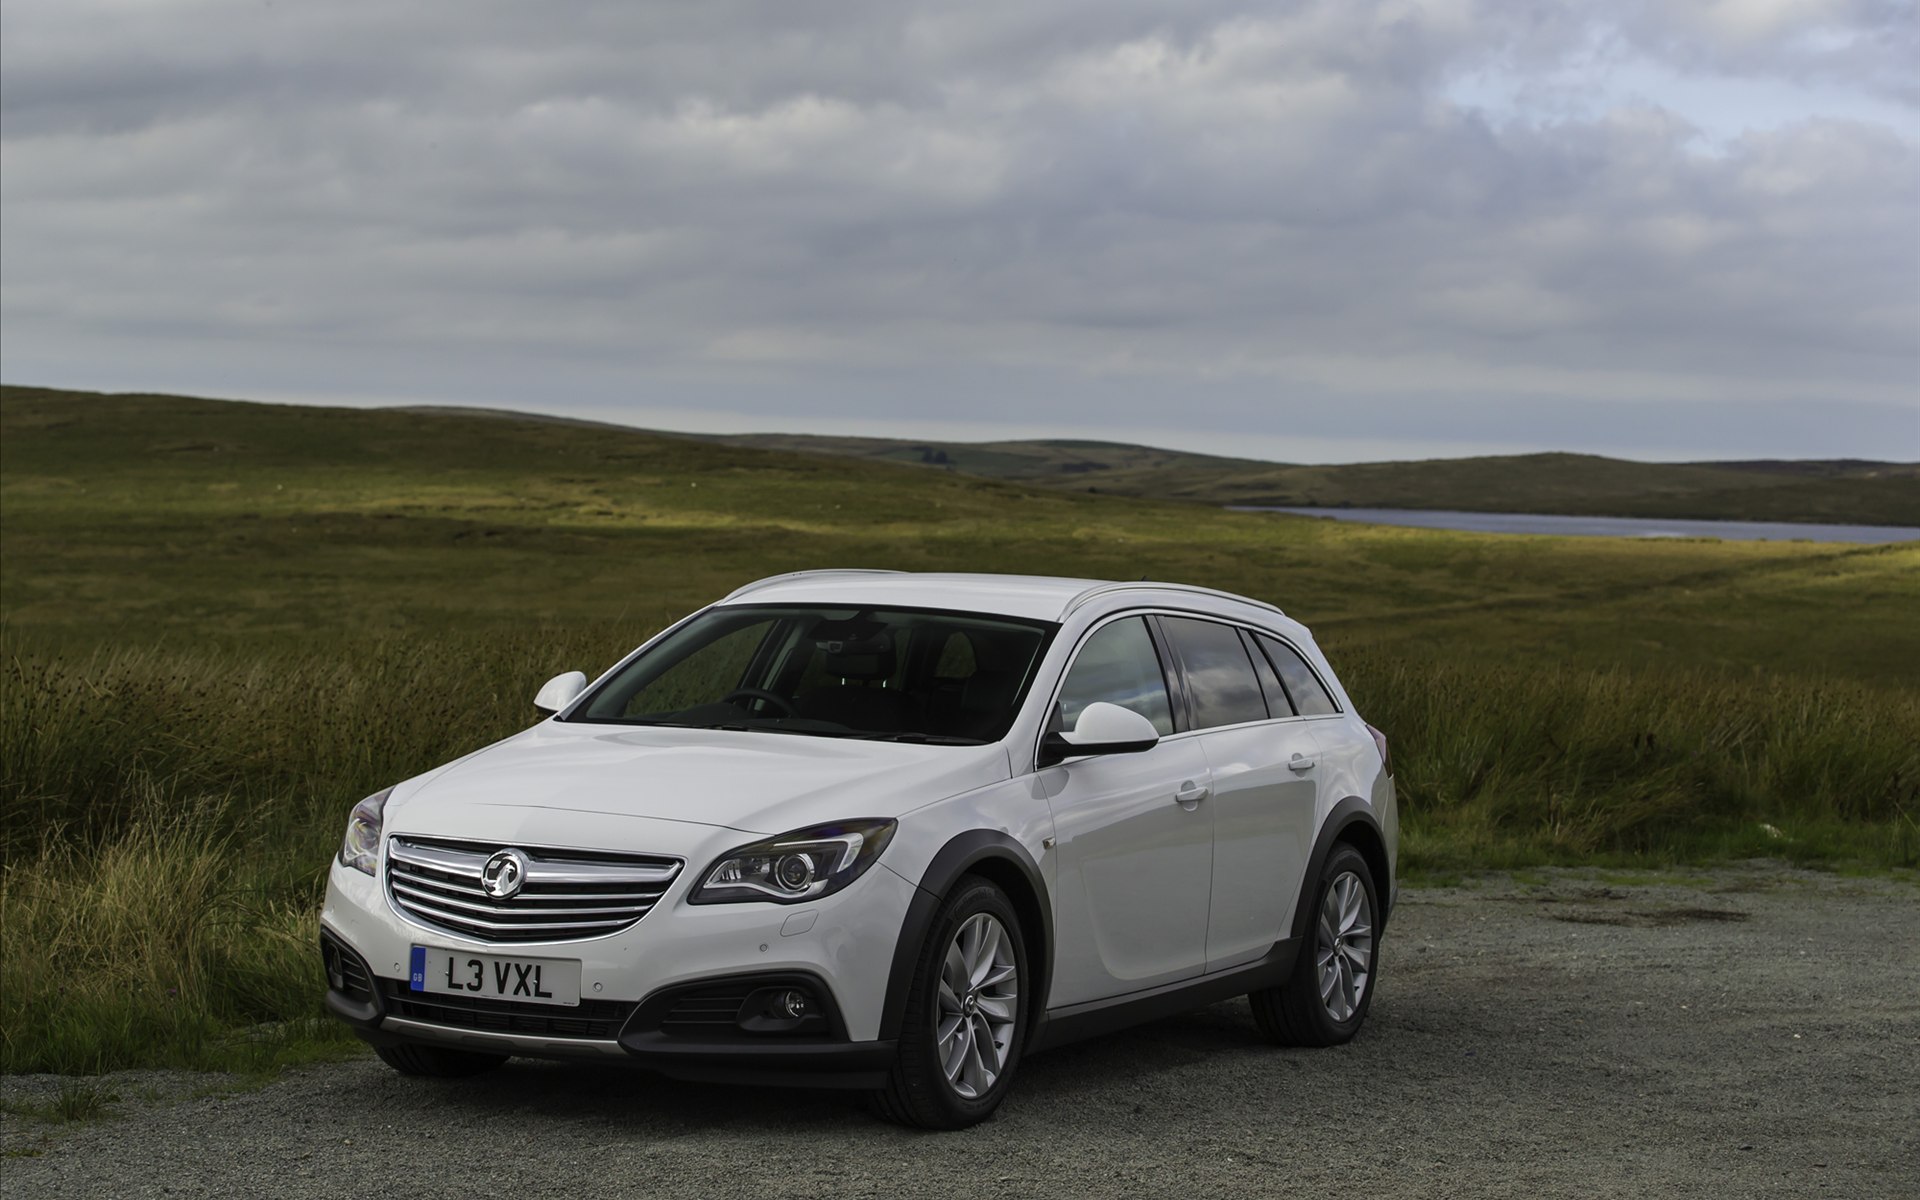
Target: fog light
[783,1009]
[336,978]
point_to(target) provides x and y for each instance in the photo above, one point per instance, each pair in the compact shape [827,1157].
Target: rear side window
[1220,680]
[1310,699]
[1117,665]
[1277,702]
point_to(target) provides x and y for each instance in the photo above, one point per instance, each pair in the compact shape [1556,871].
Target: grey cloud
[1871,44]
[1264,215]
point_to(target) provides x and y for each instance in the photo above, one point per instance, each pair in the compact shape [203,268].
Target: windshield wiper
[931,739]
[741,727]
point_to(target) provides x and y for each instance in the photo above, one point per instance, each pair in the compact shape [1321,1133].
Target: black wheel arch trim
[1345,815]
[959,857]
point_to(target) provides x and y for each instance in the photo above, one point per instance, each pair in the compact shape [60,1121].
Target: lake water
[1480,522]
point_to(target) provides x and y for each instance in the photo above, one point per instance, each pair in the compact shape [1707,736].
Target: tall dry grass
[159,945]
[1501,764]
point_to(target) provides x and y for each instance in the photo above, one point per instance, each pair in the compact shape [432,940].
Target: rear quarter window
[1309,696]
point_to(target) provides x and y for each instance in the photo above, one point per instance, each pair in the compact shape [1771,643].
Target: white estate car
[888,832]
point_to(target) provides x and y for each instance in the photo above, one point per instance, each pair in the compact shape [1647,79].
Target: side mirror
[1102,729]
[560,691]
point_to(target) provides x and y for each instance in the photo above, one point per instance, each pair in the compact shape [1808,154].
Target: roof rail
[1107,589]
[770,580]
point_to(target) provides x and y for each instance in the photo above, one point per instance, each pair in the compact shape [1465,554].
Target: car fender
[966,853]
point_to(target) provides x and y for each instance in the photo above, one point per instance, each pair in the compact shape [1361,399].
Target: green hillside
[222,623]
[1845,491]
[218,519]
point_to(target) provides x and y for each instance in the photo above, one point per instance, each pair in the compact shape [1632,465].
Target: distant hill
[1848,491]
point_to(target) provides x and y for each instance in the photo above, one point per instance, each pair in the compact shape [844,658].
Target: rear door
[1265,773]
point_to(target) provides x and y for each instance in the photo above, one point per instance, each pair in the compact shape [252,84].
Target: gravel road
[1745,1032]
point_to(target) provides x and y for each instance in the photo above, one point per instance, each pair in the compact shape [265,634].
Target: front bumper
[813,1063]
[839,948]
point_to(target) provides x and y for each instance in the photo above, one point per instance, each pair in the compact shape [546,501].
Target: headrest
[858,637]
[858,666]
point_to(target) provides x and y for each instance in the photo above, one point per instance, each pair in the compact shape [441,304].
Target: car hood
[754,782]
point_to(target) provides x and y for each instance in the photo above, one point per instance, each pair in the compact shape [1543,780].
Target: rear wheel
[966,1015]
[1325,1000]
[437,1062]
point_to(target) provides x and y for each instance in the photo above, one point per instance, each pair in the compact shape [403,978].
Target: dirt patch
[1655,918]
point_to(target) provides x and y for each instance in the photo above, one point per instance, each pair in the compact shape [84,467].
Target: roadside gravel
[1743,1032]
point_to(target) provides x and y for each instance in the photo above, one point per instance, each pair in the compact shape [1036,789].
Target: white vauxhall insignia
[887,832]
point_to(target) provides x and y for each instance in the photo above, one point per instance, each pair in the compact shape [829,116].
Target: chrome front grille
[566,895]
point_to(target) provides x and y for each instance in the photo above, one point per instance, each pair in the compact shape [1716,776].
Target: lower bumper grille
[346,973]
[706,1012]
[745,1008]
[596,1019]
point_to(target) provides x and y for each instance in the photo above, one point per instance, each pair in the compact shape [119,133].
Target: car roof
[1036,597]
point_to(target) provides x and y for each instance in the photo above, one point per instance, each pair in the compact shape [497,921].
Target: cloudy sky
[1306,231]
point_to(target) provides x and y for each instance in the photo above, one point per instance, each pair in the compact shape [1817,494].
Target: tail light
[1386,755]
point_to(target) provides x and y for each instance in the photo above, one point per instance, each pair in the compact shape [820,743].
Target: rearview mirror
[560,691]
[1102,729]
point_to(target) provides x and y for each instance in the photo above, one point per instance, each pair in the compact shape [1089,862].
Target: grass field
[224,623]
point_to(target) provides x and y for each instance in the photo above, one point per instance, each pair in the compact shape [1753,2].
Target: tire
[921,1091]
[437,1062]
[1319,1005]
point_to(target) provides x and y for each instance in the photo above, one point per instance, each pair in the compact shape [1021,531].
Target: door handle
[1300,762]
[1192,793]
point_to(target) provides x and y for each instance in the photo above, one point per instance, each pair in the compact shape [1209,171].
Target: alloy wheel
[1343,950]
[979,1005]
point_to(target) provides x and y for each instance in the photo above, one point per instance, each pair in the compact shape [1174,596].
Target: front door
[1133,833]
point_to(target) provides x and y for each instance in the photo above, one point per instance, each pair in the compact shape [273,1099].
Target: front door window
[1117,665]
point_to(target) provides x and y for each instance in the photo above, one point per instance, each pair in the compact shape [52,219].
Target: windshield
[895,674]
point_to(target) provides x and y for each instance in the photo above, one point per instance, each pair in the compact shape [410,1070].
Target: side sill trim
[1060,1026]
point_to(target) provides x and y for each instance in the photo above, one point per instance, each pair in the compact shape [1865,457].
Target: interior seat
[856,702]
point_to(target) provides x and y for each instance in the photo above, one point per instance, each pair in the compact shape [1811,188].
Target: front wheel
[966,1014]
[1326,998]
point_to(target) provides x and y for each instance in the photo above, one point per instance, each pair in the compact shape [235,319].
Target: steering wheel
[778,701]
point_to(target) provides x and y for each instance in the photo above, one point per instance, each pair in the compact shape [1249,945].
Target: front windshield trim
[576,713]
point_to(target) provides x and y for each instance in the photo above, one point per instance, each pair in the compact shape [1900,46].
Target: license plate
[493,977]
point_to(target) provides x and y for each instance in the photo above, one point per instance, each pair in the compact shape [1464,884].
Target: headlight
[803,865]
[360,849]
